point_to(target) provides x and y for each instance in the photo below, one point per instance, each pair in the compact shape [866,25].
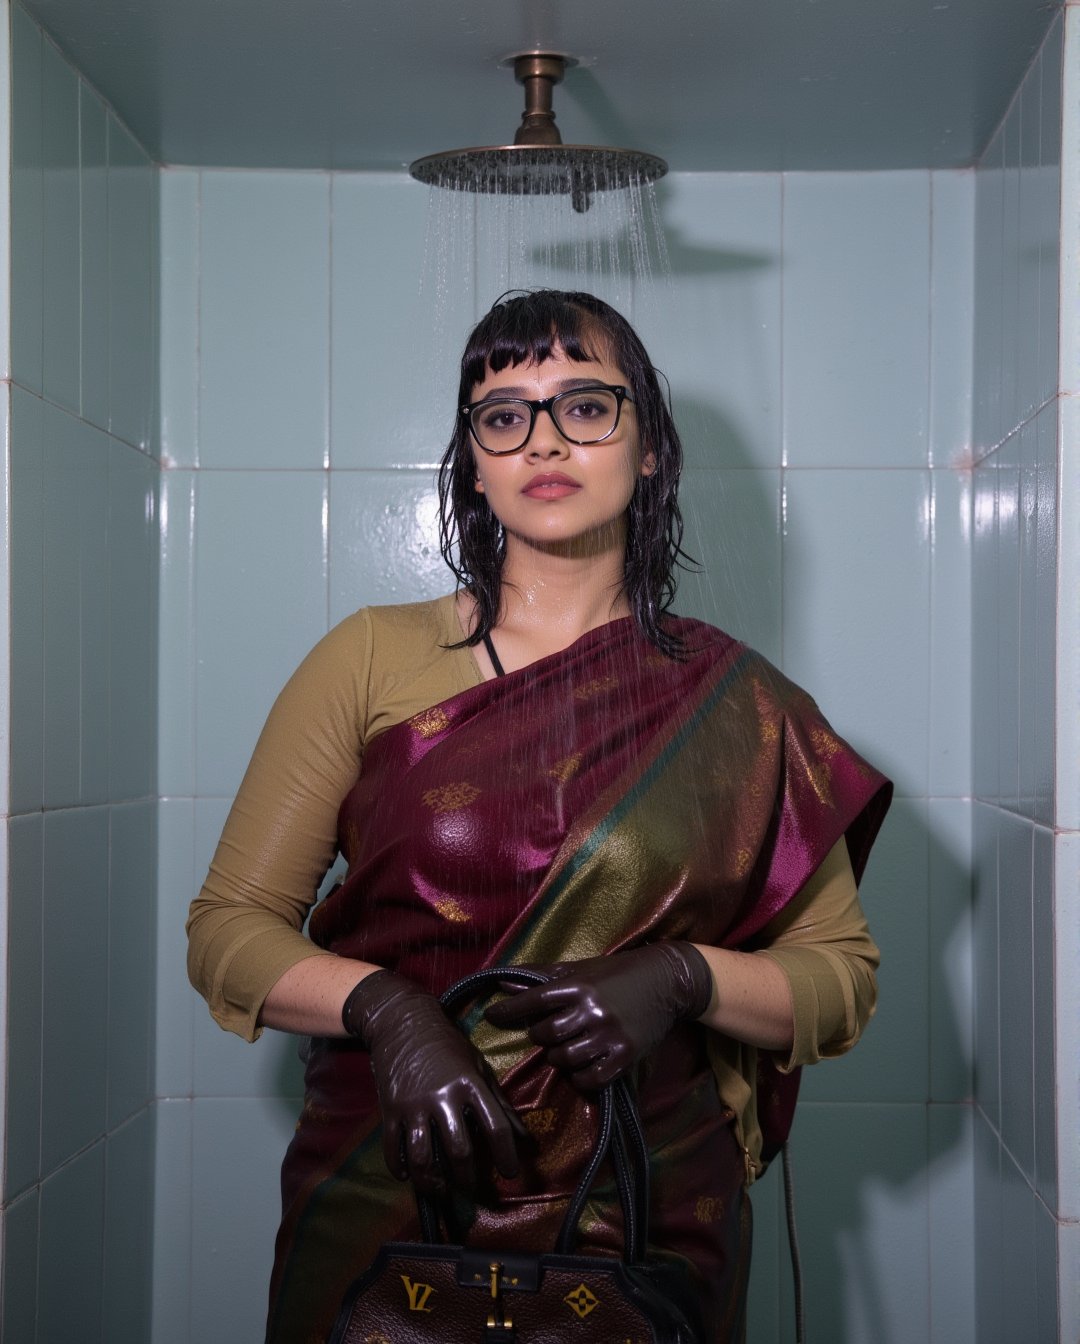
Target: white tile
[60,239]
[1069,330]
[987,415]
[179,355]
[984,636]
[27,201]
[176,1001]
[1067,786]
[27,603]
[5,203]
[260,584]
[131,990]
[264,319]
[1017,1029]
[952,1008]
[952,1214]
[176,647]
[173,1230]
[952,315]
[22,1139]
[129,1198]
[1067,1027]
[856,582]
[71,1256]
[856,246]
[986,968]
[94,258]
[132,269]
[1028,649]
[950,633]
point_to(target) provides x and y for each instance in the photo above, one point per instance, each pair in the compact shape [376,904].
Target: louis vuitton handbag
[428,1292]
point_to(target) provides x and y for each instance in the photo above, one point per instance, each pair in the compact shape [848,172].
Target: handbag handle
[619,1132]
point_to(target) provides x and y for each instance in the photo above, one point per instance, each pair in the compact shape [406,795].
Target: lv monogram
[418,1294]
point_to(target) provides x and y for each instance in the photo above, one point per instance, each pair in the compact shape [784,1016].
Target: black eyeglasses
[582,415]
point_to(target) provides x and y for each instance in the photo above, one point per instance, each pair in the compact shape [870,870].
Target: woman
[547,768]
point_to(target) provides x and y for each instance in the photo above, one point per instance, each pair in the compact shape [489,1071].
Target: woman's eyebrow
[522,393]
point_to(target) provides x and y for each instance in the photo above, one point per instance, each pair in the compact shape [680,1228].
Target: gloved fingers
[562,1026]
[498,1121]
[536,1002]
[601,1071]
[420,1154]
[394,1149]
[455,1155]
[579,1053]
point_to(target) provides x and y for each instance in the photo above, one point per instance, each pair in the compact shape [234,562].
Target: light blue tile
[75,673]
[260,576]
[863,1212]
[1046,1276]
[1067,650]
[1012,338]
[1046,563]
[71,1258]
[172,1223]
[1069,312]
[5,227]
[952,1008]
[891,1062]
[987,417]
[381,415]
[856,246]
[22,1162]
[1016,1002]
[75,973]
[950,633]
[1027,651]
[176,1001]
[60,241]
[237,1151]
[264,298]
[985,963]
[27,724]
[714,327]
[384,540]
[1018,1270]
[856,577]
[768,1262]
[1048,191]
[19,1319]
[133,622]
[1028,248]
[132,328]
[1007,621]
[224,1065]
[176,648]
[984,635]
[27,200]
[1067,1027]
[1068,1281]
[1045,1091]
[952,1214]
[179,371]
[952,315]
[94,257]
[129,1190]
[733,531]
[989,1247]
[132,941]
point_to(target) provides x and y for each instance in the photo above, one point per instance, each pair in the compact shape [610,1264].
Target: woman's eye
[586,408]
[498,418]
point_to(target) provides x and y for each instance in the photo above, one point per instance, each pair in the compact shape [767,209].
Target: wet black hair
[523,327]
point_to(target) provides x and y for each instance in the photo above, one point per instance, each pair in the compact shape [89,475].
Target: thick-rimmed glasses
[583,415]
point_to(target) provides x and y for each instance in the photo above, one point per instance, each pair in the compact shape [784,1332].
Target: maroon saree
[604,797]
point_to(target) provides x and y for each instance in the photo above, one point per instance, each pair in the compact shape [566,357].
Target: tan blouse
[377,668]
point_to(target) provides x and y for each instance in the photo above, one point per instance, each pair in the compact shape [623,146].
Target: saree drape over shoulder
[605,797]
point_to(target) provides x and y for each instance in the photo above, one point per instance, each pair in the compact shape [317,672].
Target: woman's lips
[550,485]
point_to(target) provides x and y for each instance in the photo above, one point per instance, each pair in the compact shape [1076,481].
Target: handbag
[428,1291]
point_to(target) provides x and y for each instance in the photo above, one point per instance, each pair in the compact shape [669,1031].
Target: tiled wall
[78,1158]
[817,333]
[1022,440]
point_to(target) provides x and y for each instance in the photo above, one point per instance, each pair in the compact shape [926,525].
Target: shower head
[538,163]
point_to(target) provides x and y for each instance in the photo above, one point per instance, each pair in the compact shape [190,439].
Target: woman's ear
[478,486]
[648,464]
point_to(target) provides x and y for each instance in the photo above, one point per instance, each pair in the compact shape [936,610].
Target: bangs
[526,329]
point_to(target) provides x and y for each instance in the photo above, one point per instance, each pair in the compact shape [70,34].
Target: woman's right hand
[431,1081]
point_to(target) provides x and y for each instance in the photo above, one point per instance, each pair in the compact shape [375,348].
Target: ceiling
[734,85]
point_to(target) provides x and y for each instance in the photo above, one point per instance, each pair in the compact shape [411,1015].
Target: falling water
[481,244]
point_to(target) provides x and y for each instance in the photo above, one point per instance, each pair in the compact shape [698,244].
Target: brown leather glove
[434,1088]
[596,1018]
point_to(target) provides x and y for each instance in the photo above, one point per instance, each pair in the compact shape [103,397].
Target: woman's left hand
[596,1018]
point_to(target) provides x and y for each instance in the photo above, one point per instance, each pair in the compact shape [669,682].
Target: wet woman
[545,767]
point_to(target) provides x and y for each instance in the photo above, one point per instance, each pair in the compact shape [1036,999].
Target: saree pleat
[602,798]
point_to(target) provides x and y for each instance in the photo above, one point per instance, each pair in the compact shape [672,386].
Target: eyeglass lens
[582,416]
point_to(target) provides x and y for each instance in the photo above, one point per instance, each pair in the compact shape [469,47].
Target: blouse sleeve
[821,942]
[244,927]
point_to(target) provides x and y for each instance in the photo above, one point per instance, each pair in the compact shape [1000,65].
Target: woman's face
[554,492]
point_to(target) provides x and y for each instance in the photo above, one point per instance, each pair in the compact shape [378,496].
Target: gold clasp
[497,1318]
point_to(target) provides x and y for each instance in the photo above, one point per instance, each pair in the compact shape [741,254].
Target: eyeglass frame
[620,393]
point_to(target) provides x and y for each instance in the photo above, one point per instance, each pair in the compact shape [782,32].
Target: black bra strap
[493,656]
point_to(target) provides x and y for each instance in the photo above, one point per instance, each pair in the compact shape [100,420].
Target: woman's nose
[545,439]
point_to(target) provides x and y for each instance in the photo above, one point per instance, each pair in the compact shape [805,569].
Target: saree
[599,799]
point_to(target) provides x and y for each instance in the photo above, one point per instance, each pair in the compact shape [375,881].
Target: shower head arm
[539,74]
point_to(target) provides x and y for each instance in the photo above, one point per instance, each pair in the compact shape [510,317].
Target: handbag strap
[619,1132]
